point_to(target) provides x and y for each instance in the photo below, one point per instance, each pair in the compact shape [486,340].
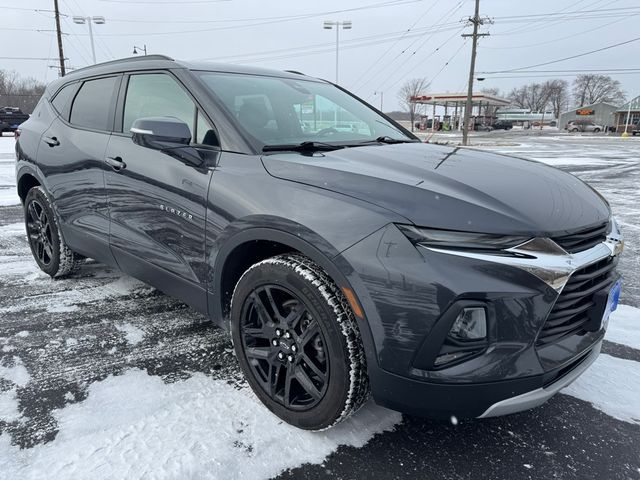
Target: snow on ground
[133,334]
[15,375]
[612,385]
[8,194]
[122,382]
[194,429]
[624,328]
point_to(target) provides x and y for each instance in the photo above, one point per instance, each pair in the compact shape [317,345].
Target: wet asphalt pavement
[69,334]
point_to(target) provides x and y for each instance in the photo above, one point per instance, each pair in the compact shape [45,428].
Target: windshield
[283,111]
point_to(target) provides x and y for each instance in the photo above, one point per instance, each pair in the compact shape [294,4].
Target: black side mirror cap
[159,133]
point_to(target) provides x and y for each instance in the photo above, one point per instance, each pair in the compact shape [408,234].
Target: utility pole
[381,98]
[59,34]
[476,21]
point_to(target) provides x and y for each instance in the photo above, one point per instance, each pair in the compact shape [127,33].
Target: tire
[52,255]
[298,343]
[596,130]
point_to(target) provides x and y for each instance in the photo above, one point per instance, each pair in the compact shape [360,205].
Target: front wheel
[49,250]
[298,343]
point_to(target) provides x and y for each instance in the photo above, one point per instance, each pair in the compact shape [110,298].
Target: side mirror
[169,135]
[160,133]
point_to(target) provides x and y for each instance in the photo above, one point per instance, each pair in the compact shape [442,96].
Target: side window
[205,134]
[157,95]
[92,106]
[63,96]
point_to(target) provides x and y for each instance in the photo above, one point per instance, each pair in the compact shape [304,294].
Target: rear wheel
[297,342]
[50,252]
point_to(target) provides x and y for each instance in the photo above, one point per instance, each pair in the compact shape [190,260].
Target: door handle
[116,163]
[51,141]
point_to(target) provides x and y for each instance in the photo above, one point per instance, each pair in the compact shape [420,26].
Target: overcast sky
[391,40]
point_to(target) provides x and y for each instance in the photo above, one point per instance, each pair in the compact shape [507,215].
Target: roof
[573,110]
[160,62]
[635,105]
[442,98]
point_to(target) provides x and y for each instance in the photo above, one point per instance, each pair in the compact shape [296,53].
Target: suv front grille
[583,240]
[571,310]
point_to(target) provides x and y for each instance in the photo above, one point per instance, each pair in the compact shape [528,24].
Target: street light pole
[89,21]
[143,48]
[328,25]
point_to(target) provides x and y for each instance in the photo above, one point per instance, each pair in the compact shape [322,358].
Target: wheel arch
[253,245]
[26,181]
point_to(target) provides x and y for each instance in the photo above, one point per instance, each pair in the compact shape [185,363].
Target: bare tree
[590,88]
[490,110]
[558,95]
[23,93]
[533,96]
[411,88]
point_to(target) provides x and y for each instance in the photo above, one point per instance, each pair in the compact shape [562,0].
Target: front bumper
[406,293]
[476,400]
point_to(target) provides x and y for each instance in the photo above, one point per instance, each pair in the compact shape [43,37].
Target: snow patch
[9,411]
[16,374]
[134,335]
[624,327]
[612,385]
[199,428]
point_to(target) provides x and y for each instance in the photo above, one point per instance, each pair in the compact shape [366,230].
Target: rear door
[157,203]
[71,158]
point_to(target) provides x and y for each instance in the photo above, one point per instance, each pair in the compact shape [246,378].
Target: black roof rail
[296,72]
[125,60]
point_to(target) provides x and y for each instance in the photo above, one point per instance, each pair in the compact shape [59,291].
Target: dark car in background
[502,125]
[344,262]
[11,118]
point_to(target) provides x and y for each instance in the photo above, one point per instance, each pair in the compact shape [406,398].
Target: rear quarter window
[62,98]
[92,105]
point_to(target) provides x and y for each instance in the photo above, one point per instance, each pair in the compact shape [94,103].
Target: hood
[452,188]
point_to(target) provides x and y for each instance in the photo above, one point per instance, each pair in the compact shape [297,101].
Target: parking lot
[102,376]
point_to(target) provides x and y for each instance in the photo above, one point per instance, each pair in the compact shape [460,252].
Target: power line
[28,58]
[320,47]
[550,75]
[563,38]
[379,59]
[565,58]
[444,17]
[281,17]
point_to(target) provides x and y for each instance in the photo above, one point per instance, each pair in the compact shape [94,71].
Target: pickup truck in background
[11,118]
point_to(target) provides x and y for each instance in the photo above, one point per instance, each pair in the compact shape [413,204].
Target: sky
[391,40]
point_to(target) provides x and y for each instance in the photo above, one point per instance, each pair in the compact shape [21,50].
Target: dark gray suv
[344,261]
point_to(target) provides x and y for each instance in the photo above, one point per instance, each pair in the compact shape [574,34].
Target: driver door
[157,203]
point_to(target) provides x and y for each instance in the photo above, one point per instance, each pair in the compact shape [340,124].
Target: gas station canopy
[447,99]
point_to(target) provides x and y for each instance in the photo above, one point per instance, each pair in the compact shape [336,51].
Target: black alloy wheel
[49,250]
[39,232]
[298,342]
[285,347]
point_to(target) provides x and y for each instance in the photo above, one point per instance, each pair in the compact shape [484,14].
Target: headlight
[450,239]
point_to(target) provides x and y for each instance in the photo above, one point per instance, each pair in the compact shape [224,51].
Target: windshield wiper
[309,146]
[390,140]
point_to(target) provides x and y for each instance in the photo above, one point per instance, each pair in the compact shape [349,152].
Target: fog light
[471,324]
